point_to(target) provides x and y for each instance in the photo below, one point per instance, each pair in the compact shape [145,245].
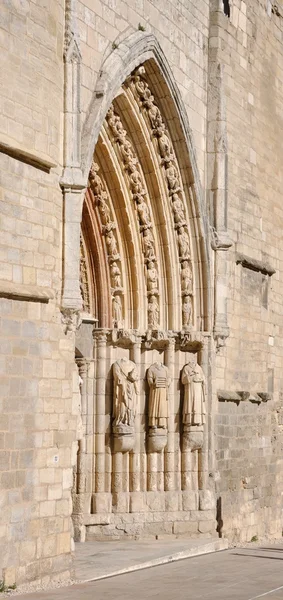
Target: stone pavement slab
[97,560]
[240,574]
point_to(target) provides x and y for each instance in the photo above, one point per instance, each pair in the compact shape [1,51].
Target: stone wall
[249,46]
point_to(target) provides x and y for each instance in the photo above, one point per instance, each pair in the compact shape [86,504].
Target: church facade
[141,275]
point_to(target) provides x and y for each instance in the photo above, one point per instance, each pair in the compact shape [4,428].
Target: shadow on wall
[226,7]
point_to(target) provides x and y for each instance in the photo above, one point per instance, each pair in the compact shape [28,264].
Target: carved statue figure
[148,245]
[111,245]
[143,212]
[115,124]
[172,178]
[135,179]
[115,275]
[194,401]
[187,310]
[153,312]
[104,210]
[186,278]
[152,278]
[178,209]
[95,180]
[159,381]
[117,311]
[165,146]
[184,243]
[127,152]
[125,392]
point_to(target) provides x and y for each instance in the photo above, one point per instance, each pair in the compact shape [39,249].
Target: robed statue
[159,381]
[125,392]
[194,400]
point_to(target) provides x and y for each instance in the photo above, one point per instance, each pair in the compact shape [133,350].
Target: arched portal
[144,282]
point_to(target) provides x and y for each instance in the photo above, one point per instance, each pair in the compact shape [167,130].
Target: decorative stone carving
[143,212]
[168,159]
[187,311]
[152,279]
[117,311]
[108,228]
[139,194]
[125,391]
[115,276]
[71,319]
[148,245]
[84,284]
[194,412]
[184,244]
[186,278]
[178,210]
[153,312]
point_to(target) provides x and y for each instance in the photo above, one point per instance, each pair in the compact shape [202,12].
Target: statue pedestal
[157,439]
[192,437]
[124,438]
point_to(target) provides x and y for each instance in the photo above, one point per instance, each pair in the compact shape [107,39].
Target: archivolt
[154,146]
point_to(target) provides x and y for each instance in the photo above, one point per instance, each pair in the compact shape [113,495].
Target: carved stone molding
[84,283]
[254,264]
[243,396]
[168,160]
[139,194]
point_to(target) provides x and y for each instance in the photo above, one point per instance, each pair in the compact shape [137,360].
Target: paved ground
[96,560]
[239,574]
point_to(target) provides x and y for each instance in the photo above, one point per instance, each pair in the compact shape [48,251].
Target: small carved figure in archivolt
[116,125]
[112,245]
[186,278]
[187,311]
[115,276]
[125,392]
[194,412]
[153,312]
[172,179]
[95,180]
[148,245]
[178,210]
[135,179]
[104,210]
[143,211]
[117,311]
[184,244]
[165,146]
[159,381]
[152,278]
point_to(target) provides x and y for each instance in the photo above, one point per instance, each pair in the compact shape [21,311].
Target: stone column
[134,457]
[73,201]
[101,341]
[169,452]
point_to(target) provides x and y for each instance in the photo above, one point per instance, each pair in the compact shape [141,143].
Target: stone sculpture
[159,381]
[148,245]
[153,313]
[117,311]
[184,244]
[187,311]
[186,278]
[194,400]
[125,392]
[152,278]
[115,276]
